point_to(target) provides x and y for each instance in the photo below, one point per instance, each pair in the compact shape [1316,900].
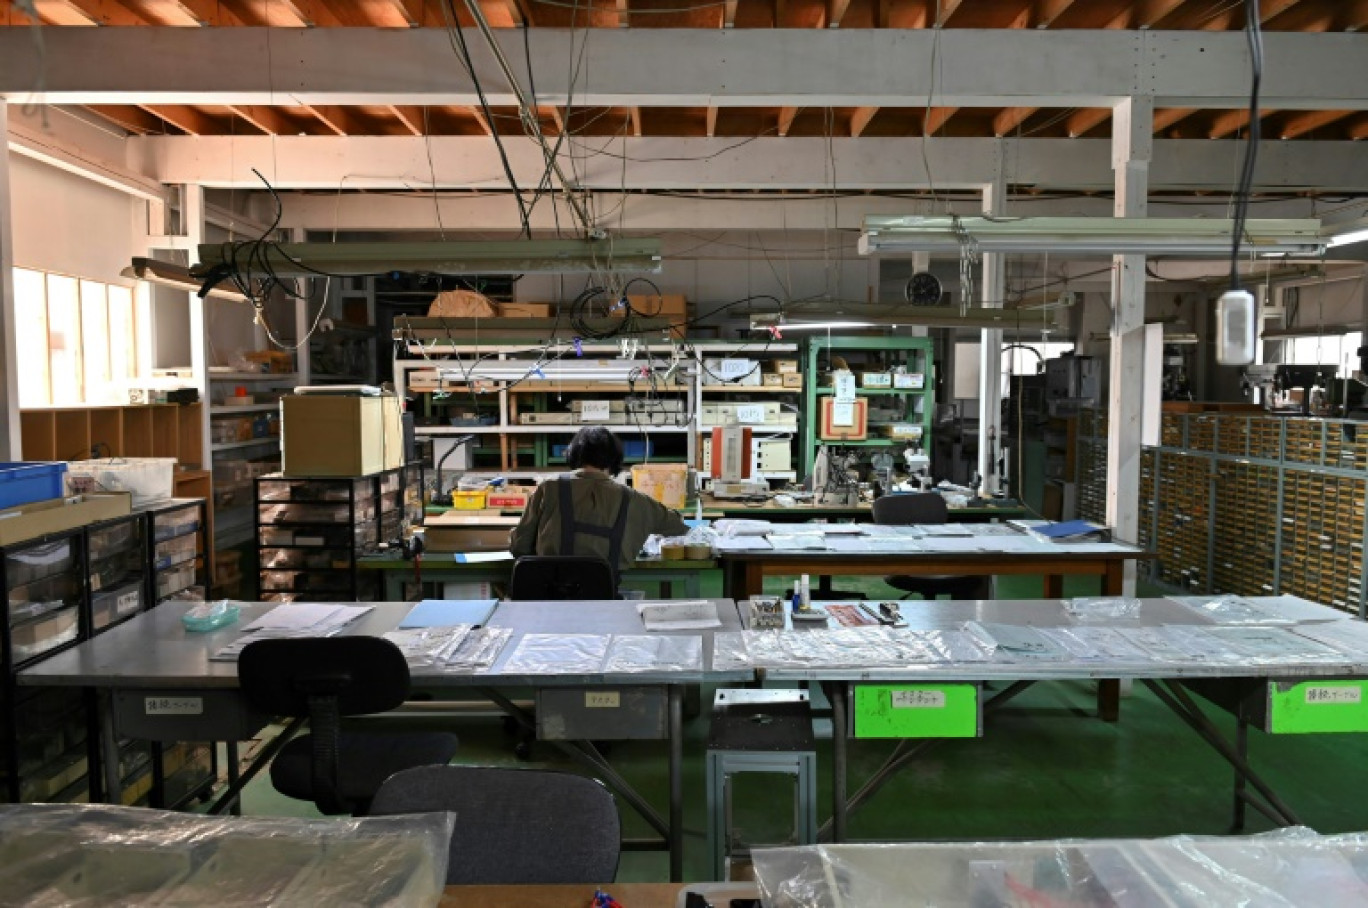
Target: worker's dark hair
[595,446]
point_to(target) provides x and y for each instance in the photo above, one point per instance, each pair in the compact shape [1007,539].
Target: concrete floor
[1045,768]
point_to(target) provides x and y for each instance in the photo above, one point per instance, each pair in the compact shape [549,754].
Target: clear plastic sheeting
[645,653]
[1102,608]
[846,648]
[480,650]
[429,647]
[1293,867]
[729,651]
[69,856]
[552,654]
[1232,610]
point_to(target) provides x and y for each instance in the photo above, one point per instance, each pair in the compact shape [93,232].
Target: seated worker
[587,512]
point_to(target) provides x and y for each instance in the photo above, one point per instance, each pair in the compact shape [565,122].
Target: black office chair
[927,507]
[324,679]
[514,826]
[537,577]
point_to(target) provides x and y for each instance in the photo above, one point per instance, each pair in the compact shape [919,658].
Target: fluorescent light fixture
[512,257]
[899,235]
[569,370]
[926,316]
[1347,234]
[169,274]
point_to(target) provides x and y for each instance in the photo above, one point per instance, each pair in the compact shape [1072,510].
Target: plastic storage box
[148,478]
[24,482]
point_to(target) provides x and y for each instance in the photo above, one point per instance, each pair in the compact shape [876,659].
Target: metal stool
[759,731]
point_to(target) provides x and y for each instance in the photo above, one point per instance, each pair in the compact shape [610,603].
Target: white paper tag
[843,414]
[173,706]
[750,414]
[1322,694]
[126,603]
[845,386]
[602,699]
[595,411]
[918,699]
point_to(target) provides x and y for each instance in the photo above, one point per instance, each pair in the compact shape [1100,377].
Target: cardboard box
[277,362]
[857,430]
[40,518]
[508,498]
[782,366]
[672,306]
[909,381]
[772,380]
[340,435]
[467,532]
[462,304]
[667,483]
[792,380]
[525,310]
[876,380]
[906,430]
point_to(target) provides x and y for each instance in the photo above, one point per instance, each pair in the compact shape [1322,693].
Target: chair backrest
[911,507]
[360,674]
[562,577]
[514,826]
[324,678]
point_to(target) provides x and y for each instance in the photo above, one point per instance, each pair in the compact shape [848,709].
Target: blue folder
[442,612]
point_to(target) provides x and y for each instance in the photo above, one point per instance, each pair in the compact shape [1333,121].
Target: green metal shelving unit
[913,353]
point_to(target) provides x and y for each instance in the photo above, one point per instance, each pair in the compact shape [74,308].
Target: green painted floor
[1045,768]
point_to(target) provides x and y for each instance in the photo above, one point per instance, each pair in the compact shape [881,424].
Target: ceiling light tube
[898,235]
[929,317]
[169,274]
[510,257]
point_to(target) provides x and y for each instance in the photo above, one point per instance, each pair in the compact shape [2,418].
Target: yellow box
[665,482]
[468,500]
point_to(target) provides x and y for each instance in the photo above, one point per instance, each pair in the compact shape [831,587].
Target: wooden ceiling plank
[786,118]
[1353,16]
[411,118]
[1300,124]
[711,121]
[835,12]
[107,12]
[1171,116]
[1046,11]
[636,121]
[1145,14]
[860,120]
[133,119]
[1010,119]
[1085,120]
[1358,131]
[936,119]
[947,10]
[267,119]
[729,13]
[624,13]
[336,118]
[185,118]
[1231,121]
[62,12]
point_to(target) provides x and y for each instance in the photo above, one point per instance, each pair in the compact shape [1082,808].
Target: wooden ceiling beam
[786,118]
[339,119]
[860,120]
[102,12]
[729,13]
[947,10]
[1358,131]
[133,119]
[267,119]
[635,114]
[624,13]
[835,12]
[1145,14]
[710,121]
[1086,120]
[1171,116]
[1046,11]
[186,118]
[1230,122]
[411,118]
[1010,119]
[1300,124]
[936,119]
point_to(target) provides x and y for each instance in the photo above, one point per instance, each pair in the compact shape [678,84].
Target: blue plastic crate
[638,450]
[25,482]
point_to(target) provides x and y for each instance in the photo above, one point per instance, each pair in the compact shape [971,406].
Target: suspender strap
[570,527]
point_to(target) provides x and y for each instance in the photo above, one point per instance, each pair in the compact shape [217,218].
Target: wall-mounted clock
[923,289]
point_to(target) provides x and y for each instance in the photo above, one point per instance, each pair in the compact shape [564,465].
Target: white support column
[193,227]
[993,288]
[1132,142]
[11,446]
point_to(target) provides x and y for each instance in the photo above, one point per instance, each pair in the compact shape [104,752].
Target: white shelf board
[248,408]
[255,442]
[535,430]
[254,376]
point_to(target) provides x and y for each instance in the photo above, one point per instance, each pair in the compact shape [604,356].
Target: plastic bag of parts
[1284,868]
[549,654]
[649,653]
[69,855]
[425,647]
[210,616]
[1102,608]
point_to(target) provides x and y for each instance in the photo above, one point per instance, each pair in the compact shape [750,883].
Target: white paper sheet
[1350,636]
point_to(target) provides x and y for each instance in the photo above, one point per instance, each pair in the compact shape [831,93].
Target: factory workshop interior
[684,452]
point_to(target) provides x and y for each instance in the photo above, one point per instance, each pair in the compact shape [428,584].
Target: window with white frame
[1324,350]
[77,339]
